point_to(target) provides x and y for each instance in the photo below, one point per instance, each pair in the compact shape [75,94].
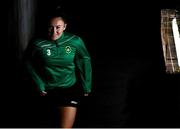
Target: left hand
[43,93]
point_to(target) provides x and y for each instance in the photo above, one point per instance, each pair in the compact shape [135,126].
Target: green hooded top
[56,63]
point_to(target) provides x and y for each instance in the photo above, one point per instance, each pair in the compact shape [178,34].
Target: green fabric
[55,63]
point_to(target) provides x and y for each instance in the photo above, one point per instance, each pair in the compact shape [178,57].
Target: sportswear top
[56,63]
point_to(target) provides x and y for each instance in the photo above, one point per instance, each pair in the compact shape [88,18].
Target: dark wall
[130,87]
[19,31]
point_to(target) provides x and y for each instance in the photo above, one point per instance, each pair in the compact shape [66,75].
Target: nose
[54,30]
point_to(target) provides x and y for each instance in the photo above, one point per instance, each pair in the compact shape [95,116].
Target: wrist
[86,93]
[43,91]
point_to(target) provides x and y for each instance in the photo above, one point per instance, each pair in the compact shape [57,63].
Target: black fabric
[64,96]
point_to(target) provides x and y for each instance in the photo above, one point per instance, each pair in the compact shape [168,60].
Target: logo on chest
[68,49]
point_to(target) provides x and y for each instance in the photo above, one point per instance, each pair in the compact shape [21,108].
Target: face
[56,28]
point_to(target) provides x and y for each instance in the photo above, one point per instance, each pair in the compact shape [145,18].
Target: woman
[60,66]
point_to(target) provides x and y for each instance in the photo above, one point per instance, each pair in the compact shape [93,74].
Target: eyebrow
[55,25]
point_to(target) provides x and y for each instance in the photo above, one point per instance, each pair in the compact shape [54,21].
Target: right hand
[43,93]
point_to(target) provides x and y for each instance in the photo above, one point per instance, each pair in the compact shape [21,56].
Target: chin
[53,38]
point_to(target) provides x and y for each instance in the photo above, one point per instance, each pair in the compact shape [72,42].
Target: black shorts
[65,96]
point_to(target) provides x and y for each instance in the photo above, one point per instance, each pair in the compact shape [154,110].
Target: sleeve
[83,61]
[29,61]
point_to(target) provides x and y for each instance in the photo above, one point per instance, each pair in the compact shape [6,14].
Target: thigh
[67,116]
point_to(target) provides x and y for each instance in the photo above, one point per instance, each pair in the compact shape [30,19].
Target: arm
[29,60]
[83,61]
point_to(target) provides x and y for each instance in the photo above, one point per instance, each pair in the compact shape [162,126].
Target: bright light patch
[176,38]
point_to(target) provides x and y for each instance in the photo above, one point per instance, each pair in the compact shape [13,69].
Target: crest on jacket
[68,49]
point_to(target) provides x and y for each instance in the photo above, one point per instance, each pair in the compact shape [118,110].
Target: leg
[67,116]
